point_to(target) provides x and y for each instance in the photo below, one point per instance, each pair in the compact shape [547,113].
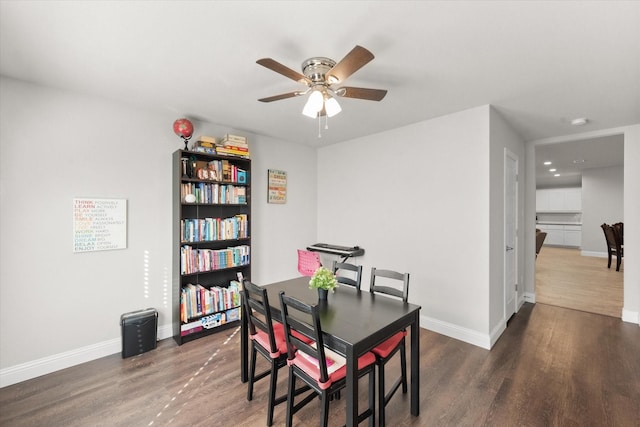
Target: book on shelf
[207,141]
[212,229]
[204,144]
[234,139]
[205,150]
[227,151]
[235,147]
[190,328]
[241,176]
[194,260]
[197,301]
[208,193]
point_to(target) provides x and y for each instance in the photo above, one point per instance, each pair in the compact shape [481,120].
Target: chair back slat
[293,311]
[399,292]
[355,271]
[258,311]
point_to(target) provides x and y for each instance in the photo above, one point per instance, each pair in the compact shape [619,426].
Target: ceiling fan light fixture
[314,104]
[332,107]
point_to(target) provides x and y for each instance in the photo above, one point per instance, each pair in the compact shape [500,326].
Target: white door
[510,233]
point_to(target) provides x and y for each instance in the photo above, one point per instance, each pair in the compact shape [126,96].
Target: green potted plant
[324,281]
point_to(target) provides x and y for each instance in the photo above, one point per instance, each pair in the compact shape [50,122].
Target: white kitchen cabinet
[542,200]
[555,234]
[573,235]
[562,235]
[556,199]
[559,199]
[573,199]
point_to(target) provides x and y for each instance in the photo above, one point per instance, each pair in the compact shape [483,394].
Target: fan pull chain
[319,126]
[326,121]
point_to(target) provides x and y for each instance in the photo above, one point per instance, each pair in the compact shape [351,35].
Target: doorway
[575,275]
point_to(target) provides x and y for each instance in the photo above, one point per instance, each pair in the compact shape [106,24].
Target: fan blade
[351,63]
[285,71]
[361,93]
[281,96]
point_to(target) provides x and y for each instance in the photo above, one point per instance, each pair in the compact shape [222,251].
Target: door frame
[510,306]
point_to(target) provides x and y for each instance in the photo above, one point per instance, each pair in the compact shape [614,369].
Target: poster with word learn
[99,224]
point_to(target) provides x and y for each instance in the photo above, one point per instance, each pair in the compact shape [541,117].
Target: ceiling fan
[319,75]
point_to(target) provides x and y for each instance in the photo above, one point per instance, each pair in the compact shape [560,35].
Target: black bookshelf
[214,233]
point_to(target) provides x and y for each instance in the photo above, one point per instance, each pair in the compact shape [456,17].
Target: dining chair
[618,228]
[395,284]
[540,236]
[323,370]
[308,262]
[355,275]
[614,248]
[267,338]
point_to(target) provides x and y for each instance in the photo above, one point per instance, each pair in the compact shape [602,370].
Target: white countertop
[557,223]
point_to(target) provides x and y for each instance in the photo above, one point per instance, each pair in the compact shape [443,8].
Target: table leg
[415,365]
[352,387]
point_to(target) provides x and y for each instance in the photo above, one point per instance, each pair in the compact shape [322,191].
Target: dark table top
[348,317]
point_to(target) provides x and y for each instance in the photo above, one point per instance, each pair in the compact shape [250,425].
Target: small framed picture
[277,191]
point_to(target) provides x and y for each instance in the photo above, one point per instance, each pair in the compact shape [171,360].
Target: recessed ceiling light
[547,163]
[557,174]
[578,161]
[580,121]
[552,170]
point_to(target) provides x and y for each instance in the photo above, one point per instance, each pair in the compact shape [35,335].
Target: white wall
[602,202]
[58,308]
[417,200]
[279,230]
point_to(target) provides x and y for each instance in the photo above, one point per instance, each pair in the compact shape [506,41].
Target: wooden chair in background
[540,236]
[386,350]
[618,227]
[356,273]
[614,247]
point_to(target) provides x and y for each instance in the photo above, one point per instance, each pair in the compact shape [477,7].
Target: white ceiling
[540,63]
[571,158]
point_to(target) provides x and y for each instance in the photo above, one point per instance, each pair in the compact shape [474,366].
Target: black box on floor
[139,331]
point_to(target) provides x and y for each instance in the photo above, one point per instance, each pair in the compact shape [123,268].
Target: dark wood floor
[552,367]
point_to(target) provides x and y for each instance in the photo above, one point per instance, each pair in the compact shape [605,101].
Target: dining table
[353,322]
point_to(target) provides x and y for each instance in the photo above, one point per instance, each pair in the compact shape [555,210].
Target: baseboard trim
[595,254]
[46,365]
[457,332]
[530,297]
[630,316]
[497,332]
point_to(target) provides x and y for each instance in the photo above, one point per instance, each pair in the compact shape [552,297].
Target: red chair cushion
[278,331]
[313,370]
[384,349]
[263,339]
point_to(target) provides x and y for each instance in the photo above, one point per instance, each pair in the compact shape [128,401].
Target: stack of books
[233,145]
[205,144]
